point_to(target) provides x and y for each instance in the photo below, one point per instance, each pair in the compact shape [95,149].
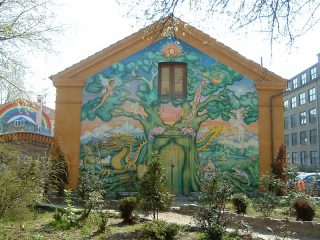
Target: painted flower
[172,50]
[156,131]
[188,131]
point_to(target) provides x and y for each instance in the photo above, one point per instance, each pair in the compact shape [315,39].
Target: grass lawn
[40,226]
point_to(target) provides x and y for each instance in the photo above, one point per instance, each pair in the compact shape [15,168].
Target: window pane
[313,115]
[293,102]
[178,80]
[165,80]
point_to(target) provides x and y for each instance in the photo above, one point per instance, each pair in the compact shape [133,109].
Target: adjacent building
[301,120]
[29,126]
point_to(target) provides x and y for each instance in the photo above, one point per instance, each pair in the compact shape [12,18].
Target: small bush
[240,203]
[159,230]
[265,204]
[126,208]
[305,210]
[214,232]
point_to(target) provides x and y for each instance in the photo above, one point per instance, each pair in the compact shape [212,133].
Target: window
[293,102]
[313,157]
[313,136]
[294,157]
[287,142]
[294,139]
[293,121]
[294,83]
[286,122]
[18,123]
[313,73]
[312,94]
[303,78]
[286,105]
[313,115]
[303,137]
[172,79]
[302,98]
[303,118]
[303,157]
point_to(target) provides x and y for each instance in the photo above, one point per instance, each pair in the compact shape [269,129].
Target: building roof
[76,74]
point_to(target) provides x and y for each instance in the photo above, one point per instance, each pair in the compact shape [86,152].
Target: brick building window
[293,121]
[303,118]
[294,157]
[303,78]
[313,73]
[293,102]
[313,136]
[313,115]
[303,157]
[303,137]
[313,157]
[312,94]
[302,98]
[294,139]
[294,83]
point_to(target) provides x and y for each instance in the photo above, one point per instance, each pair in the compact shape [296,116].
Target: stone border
[306,228]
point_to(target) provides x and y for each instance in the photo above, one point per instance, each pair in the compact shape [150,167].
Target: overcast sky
[93,25]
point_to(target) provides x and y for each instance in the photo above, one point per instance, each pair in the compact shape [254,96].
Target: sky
[90,26]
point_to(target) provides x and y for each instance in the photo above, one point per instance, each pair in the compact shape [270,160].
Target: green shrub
[21,184]
[126,207]
[104,218]
[240,203]
[305,210]
[265,204]
[159,230]
[214,232]
[212,204]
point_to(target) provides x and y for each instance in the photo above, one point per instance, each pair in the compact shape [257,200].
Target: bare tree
[284,20]
[25,27]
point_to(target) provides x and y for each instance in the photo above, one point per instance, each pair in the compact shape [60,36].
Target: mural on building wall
[214,126]
[24,117]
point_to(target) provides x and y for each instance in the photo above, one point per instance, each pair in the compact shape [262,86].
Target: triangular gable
[79,72]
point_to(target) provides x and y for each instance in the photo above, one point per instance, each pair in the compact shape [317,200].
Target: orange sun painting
[171,50]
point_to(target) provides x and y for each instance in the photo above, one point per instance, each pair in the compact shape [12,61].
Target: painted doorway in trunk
[175,155]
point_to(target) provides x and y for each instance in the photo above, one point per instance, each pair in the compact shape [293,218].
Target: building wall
[308,145]
[71,104]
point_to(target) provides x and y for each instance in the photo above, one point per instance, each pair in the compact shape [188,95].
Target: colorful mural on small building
[215,126]
[25,116]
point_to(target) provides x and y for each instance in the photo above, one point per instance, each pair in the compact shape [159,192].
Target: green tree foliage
[154,196]
[276,19]
[25,26]
[21,183]
[55,171]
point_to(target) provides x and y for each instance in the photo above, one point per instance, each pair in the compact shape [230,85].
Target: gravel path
[264,234]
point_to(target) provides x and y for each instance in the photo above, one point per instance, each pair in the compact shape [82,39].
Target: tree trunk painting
[214,126]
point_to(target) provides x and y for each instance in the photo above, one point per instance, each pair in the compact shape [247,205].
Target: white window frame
[303,78]
[313,72]
[293,102]
[302,98]
[312,94]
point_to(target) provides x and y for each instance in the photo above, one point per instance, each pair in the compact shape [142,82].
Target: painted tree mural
[129,89]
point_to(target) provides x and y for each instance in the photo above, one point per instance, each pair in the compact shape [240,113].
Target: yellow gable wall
[70,83]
